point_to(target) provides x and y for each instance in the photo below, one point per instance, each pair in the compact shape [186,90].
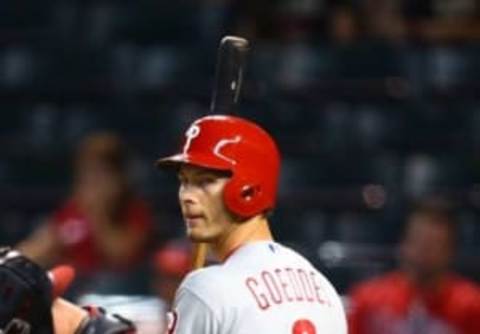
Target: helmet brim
[203,161]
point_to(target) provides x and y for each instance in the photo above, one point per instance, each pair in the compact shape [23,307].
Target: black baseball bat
[231,57]
[231,60]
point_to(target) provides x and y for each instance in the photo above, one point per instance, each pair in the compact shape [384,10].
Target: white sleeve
[191,315]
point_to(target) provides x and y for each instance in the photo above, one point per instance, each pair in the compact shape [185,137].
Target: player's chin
[196,235]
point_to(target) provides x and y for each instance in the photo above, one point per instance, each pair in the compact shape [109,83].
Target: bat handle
[199,255]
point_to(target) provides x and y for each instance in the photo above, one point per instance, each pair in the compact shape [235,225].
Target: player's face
[201,201]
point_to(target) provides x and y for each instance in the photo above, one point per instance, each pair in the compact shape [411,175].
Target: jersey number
[303,326]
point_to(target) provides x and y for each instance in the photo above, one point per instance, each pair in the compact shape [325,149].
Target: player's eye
[204,181]
[182,179]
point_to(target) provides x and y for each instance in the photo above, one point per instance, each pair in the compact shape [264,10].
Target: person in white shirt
[228,170]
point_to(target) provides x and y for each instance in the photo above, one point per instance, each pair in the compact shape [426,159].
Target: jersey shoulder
[206,283]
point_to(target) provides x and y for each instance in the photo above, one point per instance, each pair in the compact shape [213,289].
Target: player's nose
[187,195]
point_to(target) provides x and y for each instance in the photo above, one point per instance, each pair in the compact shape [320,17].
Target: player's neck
[254,229]
[426,281]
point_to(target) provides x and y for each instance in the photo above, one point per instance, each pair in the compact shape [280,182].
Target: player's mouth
[193,219]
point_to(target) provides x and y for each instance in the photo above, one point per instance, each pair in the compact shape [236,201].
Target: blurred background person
[423,295]
[103,225]
[170,265]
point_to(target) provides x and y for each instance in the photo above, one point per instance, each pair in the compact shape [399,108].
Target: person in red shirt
[171,263]
[423,296]
[103,224]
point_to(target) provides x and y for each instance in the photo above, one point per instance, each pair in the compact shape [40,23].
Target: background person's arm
[67,317]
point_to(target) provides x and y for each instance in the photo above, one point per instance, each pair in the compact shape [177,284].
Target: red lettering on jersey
[287,285]
[283,284]
[307,288]
[260,298]
[294,282]
[273,289]
[319,292]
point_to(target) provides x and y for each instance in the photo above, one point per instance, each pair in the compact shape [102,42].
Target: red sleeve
[472,311]
[476,314]
[140,215]
[373,296]
[356,311]
[475,319]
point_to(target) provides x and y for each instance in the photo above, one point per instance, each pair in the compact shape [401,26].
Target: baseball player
[228,171]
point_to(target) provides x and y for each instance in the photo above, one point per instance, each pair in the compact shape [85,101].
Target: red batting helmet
[237,145]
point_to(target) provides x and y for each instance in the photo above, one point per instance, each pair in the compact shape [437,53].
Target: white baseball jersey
[263,287]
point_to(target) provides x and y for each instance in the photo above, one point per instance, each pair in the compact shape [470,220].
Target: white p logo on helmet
[192,133]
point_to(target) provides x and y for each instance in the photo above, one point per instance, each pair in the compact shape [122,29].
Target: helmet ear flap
[243,198]
[249,192]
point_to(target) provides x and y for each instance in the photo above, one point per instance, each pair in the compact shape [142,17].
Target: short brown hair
[441,210]
[104,147]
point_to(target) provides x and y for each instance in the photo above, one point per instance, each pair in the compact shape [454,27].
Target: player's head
[429,241]
[226,164]
[100,157]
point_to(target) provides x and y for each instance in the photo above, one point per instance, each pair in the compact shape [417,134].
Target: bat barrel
[231,61]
